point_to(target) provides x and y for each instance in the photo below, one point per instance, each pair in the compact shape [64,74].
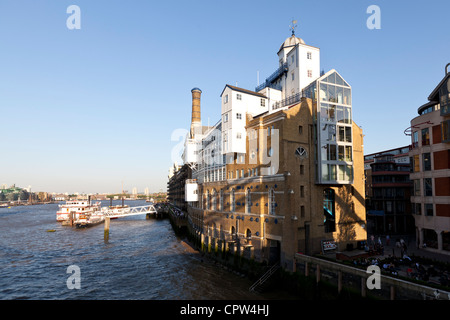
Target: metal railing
[288,101]
[265,277]
[268,83]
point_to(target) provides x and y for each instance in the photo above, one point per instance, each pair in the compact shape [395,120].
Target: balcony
[272,78]
[288,101]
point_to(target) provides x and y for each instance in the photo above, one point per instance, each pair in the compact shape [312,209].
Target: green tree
[23,195]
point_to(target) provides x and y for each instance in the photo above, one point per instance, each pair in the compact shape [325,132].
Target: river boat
[89,219]
[76,207]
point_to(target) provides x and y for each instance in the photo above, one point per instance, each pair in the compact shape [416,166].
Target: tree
[23,195]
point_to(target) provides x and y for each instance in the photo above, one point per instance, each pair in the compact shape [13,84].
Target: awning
[375,212]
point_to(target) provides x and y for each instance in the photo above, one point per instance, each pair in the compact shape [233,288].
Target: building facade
[388,192]
[430,168]
[282,172]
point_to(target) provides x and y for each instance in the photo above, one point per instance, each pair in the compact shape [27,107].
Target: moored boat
[76,207]
[89,219]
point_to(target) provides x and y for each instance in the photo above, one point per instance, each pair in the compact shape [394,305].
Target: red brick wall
[443,210]
[437,137]
[441,159]
[442,186]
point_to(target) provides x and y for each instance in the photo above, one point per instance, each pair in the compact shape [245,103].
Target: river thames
[143,260]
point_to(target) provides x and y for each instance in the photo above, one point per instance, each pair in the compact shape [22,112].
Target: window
[302,191]
[309,55]
[341,153]
[328,210]
[238,96]
[238,135]
[418,207]
[239,116]
[445,129]
[417,187]
[425,137]
[426,161]
[429,209]
[293,59]
[427,187]
[415,142]
[232,200]
[331,151]
[225,117]
[348,153]
[444,98]
[225,99]
[292,76]
[248,201]
[302,169]
[309,73]
[302,211]
[221,200]
[416,163]
[300,129]
[214,200]
[263,102]
[271,202]
[344,134]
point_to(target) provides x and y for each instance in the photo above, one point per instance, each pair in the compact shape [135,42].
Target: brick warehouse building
[282,172]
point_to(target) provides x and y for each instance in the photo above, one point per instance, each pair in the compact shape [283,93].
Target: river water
[142,260]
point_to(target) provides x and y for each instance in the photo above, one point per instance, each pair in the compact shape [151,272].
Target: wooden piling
[106,232]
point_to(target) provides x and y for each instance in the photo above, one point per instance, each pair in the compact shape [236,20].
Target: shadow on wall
[348,217]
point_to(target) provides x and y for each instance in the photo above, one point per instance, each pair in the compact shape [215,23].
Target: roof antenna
[293,26]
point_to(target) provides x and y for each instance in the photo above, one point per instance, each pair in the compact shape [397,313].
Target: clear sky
[84,110]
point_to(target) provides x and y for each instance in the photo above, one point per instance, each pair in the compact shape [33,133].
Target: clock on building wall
[301,152]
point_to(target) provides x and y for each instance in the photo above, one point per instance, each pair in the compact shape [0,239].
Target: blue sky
[85,110]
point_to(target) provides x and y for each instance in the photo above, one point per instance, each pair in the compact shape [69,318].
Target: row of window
[333,172]
[344,153]
[427,187]
[241,173]
[335,113]
[308,56]
[428,209]
[309,73]
[425,135]
[211,201]
[415,162]
[239,97]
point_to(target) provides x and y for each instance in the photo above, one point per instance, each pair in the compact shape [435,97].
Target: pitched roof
[243,91]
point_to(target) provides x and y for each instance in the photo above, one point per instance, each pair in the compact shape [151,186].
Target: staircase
[259,284]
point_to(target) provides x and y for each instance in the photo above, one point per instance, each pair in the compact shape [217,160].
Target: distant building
[388,192]
[430,160]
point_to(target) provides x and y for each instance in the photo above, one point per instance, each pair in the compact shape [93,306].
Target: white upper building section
[236,104]
[303,65]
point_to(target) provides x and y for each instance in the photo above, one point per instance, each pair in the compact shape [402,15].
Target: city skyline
[89,109]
